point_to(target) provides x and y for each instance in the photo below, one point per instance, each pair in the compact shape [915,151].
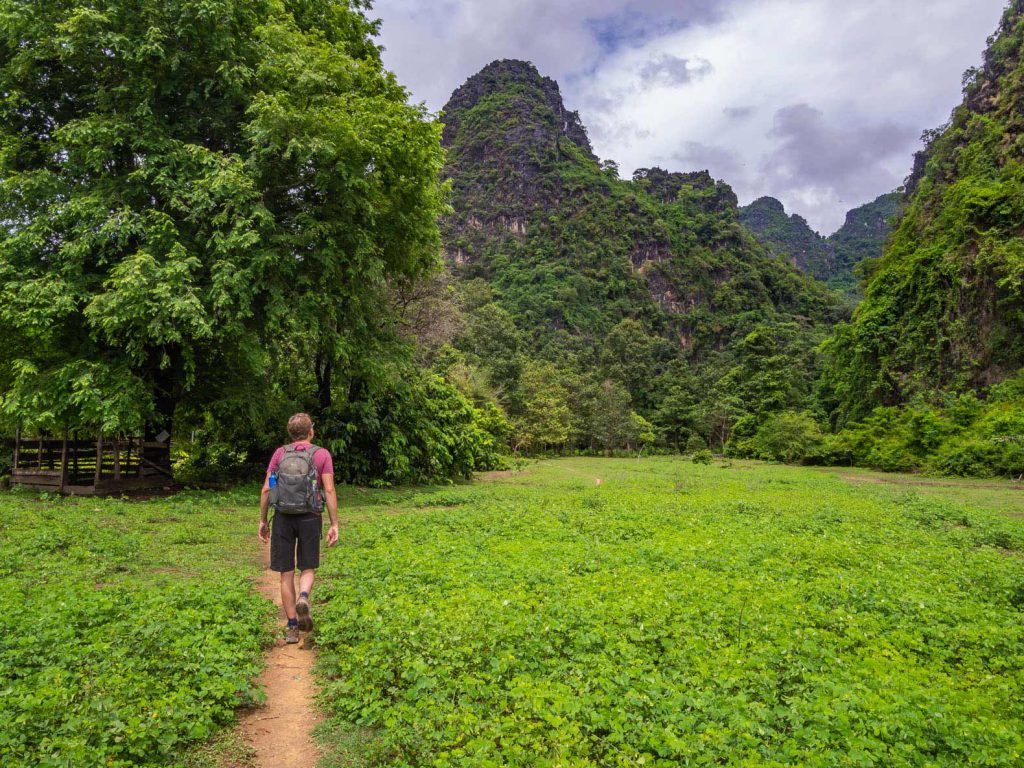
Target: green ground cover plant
[677,614]
[128,629]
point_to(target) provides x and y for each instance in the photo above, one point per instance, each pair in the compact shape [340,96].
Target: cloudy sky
[820,103]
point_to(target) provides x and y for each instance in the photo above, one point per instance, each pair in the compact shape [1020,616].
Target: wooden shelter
[97,466]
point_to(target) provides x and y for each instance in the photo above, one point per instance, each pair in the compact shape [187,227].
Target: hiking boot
[291,635]
[302,612]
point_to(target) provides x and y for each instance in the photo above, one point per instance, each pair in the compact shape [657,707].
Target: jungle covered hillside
[833,259]
[944,309]
[644,302]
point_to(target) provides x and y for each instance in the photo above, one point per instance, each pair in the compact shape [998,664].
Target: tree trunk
[324,369]
[167,392]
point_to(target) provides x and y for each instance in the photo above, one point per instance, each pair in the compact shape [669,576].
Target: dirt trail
[280,732]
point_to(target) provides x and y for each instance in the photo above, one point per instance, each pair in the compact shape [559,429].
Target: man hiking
[299,481]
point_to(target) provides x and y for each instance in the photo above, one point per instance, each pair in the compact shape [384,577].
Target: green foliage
[627,357]
[109,652]
[979,457]
[962,436]
[611,420]
[202,200]
[641,431]
[703,456]
[789,437]
[695,443]
[210,462]
[678,615]
[414,427]
[544,421]
[944,308]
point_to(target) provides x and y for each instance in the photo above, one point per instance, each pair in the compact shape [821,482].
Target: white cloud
[816,102]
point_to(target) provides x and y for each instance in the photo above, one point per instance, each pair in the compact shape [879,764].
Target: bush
[703,456]
[980,457]
[966,436]
[882,441]
[788,437]
[415,428]
[210,462]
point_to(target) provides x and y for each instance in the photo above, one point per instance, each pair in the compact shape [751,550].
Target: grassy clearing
[677,615]
[127,629]
[673,614]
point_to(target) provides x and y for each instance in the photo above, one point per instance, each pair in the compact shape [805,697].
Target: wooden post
[74,455]
[39,458]
[99,458]
[17,446]
[64,461]
[117,459]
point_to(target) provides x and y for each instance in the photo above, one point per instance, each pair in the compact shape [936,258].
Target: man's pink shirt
[322,460]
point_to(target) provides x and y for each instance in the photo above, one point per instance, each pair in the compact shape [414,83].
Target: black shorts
[287,531]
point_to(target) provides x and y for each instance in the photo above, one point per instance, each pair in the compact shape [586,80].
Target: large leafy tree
[203,201]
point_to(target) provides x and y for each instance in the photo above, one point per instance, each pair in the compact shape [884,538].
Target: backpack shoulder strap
[312,454]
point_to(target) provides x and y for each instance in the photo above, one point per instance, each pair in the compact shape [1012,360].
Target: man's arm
[264,506]
[331,497]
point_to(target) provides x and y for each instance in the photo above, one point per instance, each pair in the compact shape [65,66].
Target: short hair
[299,426]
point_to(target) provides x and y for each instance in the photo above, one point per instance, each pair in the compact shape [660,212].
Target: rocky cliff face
[504,129]
[521,81]
[573,249]
[831,259]
[944,309]
[789,237]
[864,234]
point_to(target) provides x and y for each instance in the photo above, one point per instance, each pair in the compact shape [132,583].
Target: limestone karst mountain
[833,258]
[571,249]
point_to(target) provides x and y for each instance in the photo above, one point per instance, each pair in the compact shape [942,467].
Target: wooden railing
[107,463]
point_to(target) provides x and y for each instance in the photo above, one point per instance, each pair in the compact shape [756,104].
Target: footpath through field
[280,732]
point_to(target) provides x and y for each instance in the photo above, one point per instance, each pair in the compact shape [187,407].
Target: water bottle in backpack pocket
[272,487]
[297,487]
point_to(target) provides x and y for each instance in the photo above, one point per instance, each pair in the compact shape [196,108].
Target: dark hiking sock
[293,622]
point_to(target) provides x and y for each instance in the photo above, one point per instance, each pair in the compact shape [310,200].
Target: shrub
[785,437]
[415,428]
[703,456]
[966,436]
[980,457]
[788,437]
[210,462]
[881,441]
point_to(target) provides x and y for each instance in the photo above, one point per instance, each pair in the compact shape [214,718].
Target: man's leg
[306,580]
[308,557]
[288,594]
[302,604]
[282,560]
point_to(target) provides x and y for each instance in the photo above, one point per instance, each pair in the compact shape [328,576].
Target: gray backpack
[297,491]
